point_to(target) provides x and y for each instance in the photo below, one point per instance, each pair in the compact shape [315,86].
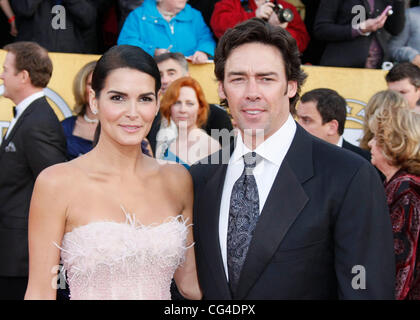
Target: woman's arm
[186,275]
[5,5]
[47,219]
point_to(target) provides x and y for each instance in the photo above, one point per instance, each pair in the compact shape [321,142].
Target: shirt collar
[27,101]
[274,148]
[340,142]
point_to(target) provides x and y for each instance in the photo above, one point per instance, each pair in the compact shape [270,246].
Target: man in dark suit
[34,141]
[322,112]
[286,215]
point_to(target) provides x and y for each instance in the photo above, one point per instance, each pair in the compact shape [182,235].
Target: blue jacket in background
[186,33]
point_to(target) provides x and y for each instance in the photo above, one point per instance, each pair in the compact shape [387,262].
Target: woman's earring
[95,111]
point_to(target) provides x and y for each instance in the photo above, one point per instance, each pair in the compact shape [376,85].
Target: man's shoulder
[363,153]
[336,160]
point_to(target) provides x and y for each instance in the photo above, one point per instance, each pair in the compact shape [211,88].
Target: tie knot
[251,159]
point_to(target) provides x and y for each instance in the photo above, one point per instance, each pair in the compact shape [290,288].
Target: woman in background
[80,129]
[386,97]
[159,26]
[395,152]
[184,104]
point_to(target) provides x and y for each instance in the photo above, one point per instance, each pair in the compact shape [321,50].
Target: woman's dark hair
[258,30]
[124,56]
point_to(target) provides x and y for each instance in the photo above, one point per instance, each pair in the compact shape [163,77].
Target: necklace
[89,120]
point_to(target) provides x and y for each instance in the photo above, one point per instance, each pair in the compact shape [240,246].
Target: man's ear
[291,88]
[25,78]
[332,127]
[221,90]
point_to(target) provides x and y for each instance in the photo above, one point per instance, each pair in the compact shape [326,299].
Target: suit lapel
[210,212]
[15,128]
[285,201]
[19,122]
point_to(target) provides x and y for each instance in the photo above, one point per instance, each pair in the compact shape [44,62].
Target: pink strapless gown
[111,260]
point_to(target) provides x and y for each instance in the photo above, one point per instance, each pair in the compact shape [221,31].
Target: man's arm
[226,14]
[363,240]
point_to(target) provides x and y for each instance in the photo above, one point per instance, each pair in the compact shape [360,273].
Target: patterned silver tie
[243,216]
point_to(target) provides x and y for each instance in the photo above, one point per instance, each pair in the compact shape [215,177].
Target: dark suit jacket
[333,25]
[325,214]
[38,142]
[363,153]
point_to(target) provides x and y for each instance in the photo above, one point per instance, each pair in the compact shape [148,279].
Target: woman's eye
[117,98]
[146,99]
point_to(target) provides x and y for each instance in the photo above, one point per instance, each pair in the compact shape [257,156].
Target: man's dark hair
[402,71]
[260,31]
[33,58]
[177,56]
[329,104]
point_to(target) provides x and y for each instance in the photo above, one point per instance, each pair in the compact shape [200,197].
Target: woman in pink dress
[119,220]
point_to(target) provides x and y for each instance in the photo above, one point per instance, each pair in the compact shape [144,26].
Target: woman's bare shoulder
[60,175]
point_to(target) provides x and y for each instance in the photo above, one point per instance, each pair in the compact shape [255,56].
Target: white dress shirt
[340,142]
[22,107]
[273,150]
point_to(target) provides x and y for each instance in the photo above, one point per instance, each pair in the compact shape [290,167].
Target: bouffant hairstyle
[397,133]
[172,94]
[382,98]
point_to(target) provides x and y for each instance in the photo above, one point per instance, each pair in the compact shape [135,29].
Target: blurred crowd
[332,32]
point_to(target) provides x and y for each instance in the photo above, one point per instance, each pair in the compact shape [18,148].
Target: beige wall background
[356,85]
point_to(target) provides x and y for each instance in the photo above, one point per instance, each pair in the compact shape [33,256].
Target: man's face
[170,70]
[256,88]
[12,79]
[310,119]
[409,91]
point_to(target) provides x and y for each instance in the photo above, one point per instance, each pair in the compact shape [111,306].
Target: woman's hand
[199,57]
[13,29]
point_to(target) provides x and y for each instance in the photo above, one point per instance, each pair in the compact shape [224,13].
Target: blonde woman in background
[382,98]
[395,152]
[80,129]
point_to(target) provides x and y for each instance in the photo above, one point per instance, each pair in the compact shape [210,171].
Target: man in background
[322,112]
[405,79]
[34,141]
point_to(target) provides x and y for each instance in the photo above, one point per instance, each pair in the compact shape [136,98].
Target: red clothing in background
[403,198]
[228,13]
